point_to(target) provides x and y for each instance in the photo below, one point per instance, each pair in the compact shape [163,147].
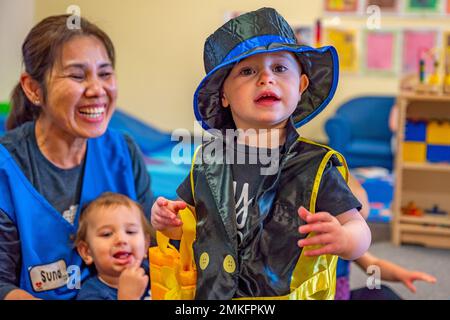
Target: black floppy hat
[262,31]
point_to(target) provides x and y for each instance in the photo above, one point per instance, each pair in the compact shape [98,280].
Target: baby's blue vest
[48,255]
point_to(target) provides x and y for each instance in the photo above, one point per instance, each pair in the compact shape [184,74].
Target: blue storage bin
[415,130]
[436,153]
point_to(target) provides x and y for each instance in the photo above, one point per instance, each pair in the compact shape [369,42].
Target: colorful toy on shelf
[422,71]
[414,151]
[412,210]
[434,83]
[415,130]
[437,153]
[438,132]
[436,210]
[427,141]
[438,141]
[414,147]
[422,87]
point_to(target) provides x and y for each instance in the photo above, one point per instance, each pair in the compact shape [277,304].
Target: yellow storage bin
[414,151]
[438,132]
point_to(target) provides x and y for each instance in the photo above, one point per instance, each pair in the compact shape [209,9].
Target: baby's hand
[164,214]
[132,283]
[328,233]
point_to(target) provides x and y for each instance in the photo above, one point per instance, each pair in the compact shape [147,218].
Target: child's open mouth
[267,98]
[122,257]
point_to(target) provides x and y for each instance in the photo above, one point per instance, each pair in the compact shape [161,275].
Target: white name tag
[49,276]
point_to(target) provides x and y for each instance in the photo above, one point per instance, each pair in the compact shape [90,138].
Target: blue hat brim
[321,66]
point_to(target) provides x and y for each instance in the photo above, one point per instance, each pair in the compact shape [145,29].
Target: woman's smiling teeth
[92,112]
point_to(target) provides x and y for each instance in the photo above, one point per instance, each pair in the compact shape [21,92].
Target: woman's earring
[37,102]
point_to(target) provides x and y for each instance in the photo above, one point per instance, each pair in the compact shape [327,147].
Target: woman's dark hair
[40,50]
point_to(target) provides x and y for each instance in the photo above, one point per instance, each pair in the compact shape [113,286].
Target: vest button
[229,265]
[204,260]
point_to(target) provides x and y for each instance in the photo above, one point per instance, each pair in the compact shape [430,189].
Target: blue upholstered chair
[360,131]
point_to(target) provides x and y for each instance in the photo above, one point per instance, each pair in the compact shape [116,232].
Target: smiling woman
[59,154]
[80,99]
[83,85]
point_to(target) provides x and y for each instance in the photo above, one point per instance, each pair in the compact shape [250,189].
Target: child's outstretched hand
[329,233]
[132,283]
[164,214]
[408,277]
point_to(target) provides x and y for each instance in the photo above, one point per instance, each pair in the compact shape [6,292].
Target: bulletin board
[345,42]
[342,6]
[388,51]
[386,6]
[416,44]
[423,6]
[380,52]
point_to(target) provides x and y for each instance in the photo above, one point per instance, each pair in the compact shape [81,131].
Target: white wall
[159,47]
[16,19]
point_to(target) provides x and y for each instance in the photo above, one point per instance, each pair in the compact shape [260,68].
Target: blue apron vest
[46,237]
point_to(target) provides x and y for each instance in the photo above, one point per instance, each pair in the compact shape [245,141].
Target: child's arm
[165,218]
[346,235]
[393,272]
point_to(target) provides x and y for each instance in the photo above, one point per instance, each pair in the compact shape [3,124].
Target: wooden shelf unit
[427,184]
[425,166]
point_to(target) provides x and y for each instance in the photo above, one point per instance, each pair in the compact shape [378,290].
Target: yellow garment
[314,278]
[173,273]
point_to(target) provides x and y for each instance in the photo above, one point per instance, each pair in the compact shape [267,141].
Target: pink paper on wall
[415,45]
[380,51]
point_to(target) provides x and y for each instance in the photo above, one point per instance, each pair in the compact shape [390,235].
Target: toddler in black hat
[255,237]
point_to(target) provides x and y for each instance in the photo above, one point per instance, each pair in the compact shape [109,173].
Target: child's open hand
[165,214]
[408,277]
[328,233]
[132,283]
